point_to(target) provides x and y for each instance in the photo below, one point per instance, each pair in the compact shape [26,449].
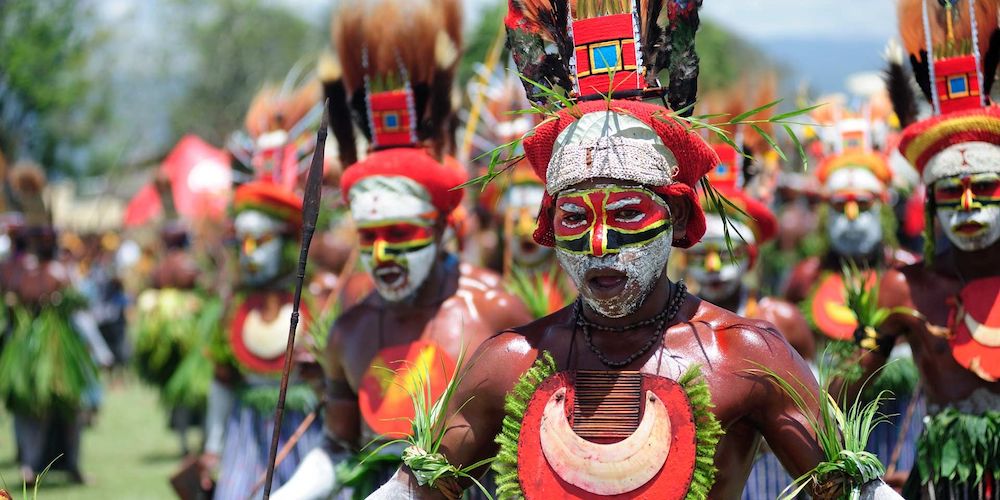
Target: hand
[896,479]
[207,464]
[869,339]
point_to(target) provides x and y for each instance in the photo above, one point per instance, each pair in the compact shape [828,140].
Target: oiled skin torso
[471,308]
[725,345]
[930,291]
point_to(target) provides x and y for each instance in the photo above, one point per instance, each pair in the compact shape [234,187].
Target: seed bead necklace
[660,321]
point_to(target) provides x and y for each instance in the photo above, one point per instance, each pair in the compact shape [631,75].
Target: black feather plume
[901,93]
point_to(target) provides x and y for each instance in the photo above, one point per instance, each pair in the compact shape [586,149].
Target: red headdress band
[694,158]
[438,178]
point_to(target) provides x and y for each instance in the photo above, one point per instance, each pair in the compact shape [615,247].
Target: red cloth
[440,179]
[694,157]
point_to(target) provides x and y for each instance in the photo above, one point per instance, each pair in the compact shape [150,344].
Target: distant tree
[239,46]
[725,57]
[49,103]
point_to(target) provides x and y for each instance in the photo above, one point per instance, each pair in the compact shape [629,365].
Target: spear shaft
[310,213]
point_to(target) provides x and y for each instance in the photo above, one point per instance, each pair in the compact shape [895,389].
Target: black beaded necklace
[660,321]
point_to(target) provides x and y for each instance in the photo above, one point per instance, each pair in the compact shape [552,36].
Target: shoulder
[801,278]
[736,338]
[484,290]
[347,323]
[790,322]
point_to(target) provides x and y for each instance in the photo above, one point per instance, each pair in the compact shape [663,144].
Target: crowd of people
[574,278]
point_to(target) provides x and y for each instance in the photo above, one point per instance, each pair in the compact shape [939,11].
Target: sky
[821,41]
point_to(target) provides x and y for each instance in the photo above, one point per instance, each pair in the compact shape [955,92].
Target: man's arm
[476,413]
[776,416]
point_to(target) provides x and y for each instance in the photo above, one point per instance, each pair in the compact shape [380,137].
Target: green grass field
[128,453]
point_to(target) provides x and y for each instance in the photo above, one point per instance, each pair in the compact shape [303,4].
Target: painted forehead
[380,199]
[613,189]
[854,179]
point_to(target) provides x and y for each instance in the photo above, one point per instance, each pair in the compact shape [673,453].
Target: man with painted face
[250,355]
[531,268]
[720,273]
[638,389]
[427,307]
[855,186]
[946,307]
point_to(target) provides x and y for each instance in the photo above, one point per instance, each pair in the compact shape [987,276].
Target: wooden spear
[310,213]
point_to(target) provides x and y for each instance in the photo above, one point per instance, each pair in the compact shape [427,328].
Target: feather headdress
[398,60]
[618,48]
[393,72]
[276,145]
[954,47]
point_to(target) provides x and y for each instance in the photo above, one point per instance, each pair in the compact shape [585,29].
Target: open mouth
[970,228]
[605,283]
[391,275]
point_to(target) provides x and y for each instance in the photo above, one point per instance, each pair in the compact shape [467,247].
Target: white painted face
[261,241]
[522,202]
[718,273]
[395,221]
[854,224]
[968,209]
[614,243]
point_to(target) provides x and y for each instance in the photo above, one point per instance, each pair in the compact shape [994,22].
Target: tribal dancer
[513,200]
[638,390]
[167,325]
[955,291]
[249,354]
[427,306]
[720,275]
[52,346]
[859,226]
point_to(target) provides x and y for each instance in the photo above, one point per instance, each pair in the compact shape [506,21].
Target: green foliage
[430,423]
[360,472]
[166,329]
[50,104]
[532,289]
[188,385]
[318,330]
[959,447]
[264,398]
[45,365]
[479,40]
[725,58]
[240,45]
[708,431]
[515,404]
[842,435]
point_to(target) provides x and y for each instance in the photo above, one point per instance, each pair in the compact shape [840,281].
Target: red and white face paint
[968,208]
[717,271]
[614,242]
[395,221]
